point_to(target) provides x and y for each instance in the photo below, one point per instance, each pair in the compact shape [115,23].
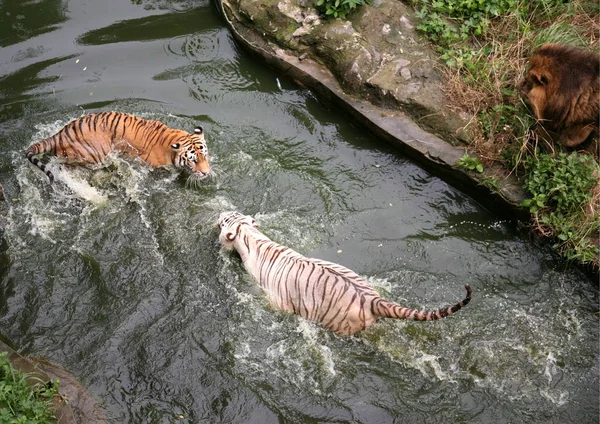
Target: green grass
[485,45]
[561,187]
[21,402]
[470,163]
[338,8]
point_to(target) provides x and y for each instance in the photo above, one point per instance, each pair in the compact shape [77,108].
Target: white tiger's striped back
[321,291]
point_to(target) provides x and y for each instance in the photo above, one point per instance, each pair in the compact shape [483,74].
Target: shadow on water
[14,85]
[25,20]
[116,272]
[143,29]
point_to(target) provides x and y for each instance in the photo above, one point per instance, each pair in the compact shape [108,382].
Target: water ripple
[198,47]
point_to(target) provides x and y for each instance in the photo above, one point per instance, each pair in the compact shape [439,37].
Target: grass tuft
[22,402]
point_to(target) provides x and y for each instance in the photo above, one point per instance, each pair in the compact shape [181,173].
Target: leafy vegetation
[471,163]
[492,183]
[485,45]
[338,8]
[448,21]
[21,402]
[562,187]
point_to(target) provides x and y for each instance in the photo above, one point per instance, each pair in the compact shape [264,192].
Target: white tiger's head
[231,224]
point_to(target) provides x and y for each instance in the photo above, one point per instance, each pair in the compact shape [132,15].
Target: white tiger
[321,291]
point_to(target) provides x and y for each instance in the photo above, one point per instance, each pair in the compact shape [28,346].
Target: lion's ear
[540,78]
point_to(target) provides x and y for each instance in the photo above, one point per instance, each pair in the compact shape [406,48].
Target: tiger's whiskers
[194,180]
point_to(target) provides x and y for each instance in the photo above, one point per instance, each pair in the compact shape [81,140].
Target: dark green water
[117,273]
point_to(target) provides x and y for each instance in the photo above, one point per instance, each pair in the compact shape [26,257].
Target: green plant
[21,402]
[339,8]
[470,163]
[575,235]
[492,183]
[561,187]
[446,21]
[562,182]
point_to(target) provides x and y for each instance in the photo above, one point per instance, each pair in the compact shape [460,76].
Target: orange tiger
[89,139]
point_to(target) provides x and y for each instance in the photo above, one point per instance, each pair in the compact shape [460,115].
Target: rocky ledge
[74,404]
[377,68]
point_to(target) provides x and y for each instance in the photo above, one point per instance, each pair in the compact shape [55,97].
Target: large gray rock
[375,55]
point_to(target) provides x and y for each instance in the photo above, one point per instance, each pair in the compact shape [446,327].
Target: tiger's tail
[387,309]
[36,149]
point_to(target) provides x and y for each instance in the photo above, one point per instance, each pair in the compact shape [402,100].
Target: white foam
[80,186]
[557,397]
[550,370]
[426,363]
[219,204]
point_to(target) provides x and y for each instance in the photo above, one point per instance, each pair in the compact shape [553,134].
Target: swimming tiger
[321,291]
[89,139]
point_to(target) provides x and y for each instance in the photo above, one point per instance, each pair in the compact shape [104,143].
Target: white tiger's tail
[387,309]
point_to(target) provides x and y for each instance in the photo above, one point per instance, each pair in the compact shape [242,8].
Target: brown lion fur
[562,87]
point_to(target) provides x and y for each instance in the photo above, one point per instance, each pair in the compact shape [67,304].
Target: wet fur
[321,291]
[89,139]
[562,86]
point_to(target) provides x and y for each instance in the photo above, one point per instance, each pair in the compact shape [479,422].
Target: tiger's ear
[175,146]
[255,224]
[198,130]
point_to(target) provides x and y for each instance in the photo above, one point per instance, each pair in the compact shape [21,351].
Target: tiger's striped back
[321,291]
[89,139]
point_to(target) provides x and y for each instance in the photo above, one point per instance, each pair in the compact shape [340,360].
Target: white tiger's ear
[175,146]
[198,130]
[254,223]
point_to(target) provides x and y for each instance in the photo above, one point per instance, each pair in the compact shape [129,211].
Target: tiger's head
[190,152]
[231,224]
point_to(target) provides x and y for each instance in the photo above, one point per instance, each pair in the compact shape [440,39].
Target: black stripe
[87,144]
[334,317]
[138,124]
[314,299]
[327,308]
[289,269]
[308,284]
[299,270]
[262,257]
[361,312]
[269,259]
[115,126]
[247,243]
[61,142]
[111,126]
[81,143]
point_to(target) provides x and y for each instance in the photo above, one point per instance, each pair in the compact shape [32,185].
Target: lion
[562,86]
